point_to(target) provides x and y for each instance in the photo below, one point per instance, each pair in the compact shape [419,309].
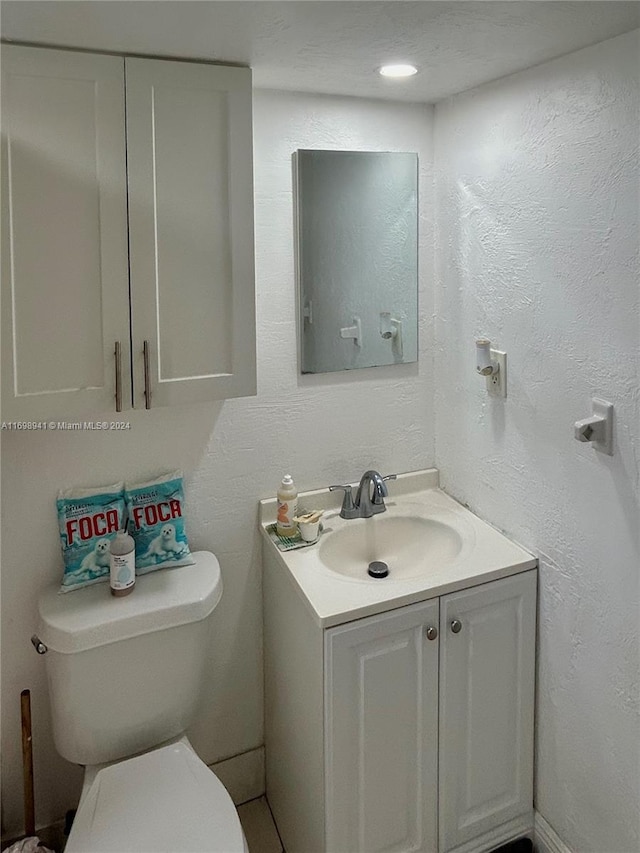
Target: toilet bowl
[124,676]
[165,801]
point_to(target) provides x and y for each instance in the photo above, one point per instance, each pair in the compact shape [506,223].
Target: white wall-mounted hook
[354,332]
[388,326]
[598,429]
[391,330]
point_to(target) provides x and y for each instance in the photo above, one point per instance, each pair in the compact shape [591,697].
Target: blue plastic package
[156,522]
[88,520]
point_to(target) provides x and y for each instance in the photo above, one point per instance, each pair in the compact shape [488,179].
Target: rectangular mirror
[357,258]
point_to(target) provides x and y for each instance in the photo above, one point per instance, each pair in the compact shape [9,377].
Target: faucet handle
[380,490]
[348,509]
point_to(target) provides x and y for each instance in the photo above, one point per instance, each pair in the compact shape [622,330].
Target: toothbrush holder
[309,530]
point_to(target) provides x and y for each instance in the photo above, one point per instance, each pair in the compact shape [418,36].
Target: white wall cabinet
[65,287]
[124,223]
[189,150]
[384,734]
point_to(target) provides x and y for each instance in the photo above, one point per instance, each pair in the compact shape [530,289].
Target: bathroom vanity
[399,711]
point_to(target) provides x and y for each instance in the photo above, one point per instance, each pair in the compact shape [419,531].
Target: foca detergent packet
[156,522]
[88,520]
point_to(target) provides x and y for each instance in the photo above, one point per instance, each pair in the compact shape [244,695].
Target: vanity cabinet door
[381,733]
[65,282]
[189,149]
[487,674]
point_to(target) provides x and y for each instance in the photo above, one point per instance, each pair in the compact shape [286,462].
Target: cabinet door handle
[147,382]
[118,357]
[456,626]
[431,632]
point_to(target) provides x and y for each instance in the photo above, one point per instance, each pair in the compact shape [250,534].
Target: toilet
[124,676]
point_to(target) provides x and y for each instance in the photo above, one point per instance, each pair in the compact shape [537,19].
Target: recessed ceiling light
[398,70]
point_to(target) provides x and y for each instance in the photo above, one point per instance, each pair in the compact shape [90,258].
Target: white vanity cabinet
[487,685]
[410,730]
[381,732]
[127,215]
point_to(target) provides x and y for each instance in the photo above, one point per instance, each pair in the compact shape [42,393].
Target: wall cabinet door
[381,732]
[75,281]
[487,675]
[189,148]
[65,291]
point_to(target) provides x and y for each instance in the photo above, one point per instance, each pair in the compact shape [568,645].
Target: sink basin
[431,543]
[411,546]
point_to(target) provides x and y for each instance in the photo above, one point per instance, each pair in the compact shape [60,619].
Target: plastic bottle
[122,564]
[287,507]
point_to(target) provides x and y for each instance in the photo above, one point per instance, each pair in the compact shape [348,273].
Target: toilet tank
[124,674]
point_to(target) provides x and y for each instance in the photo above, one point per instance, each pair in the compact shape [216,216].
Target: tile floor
[255,816]
[259,828]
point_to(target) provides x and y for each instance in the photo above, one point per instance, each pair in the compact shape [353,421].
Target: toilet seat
[165,801]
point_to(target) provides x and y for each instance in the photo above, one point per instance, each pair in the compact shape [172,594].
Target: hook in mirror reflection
[391,330]
[386,329]
[357,257]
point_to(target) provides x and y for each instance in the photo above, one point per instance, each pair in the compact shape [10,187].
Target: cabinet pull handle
[456,626]
[431,632]
[147,383]
[118,357]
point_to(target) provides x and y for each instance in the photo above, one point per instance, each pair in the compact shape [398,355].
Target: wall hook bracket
[598,429]
[391,330]
[354,331]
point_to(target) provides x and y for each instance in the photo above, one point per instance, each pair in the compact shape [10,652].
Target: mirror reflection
[357,232]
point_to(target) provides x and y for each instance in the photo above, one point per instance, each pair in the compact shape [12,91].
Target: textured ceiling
[334,47]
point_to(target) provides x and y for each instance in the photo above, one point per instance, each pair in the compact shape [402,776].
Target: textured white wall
[537,187]
[322,429]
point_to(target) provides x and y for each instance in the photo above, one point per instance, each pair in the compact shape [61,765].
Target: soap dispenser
[122,564]
[287,507]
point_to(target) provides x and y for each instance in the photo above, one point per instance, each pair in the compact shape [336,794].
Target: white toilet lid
[166,801]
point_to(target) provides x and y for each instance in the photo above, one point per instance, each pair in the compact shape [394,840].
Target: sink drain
[378,569]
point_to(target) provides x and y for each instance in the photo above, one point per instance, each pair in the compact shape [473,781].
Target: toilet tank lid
[91,617]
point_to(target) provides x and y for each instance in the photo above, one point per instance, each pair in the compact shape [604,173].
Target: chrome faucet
[369,498]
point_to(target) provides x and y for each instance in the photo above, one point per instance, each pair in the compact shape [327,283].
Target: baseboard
[242,775]
[546,838]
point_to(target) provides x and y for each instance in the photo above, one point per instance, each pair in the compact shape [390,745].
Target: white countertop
[333,599]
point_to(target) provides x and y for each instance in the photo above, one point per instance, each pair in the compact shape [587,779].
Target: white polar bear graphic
[165,543]
[98,559]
